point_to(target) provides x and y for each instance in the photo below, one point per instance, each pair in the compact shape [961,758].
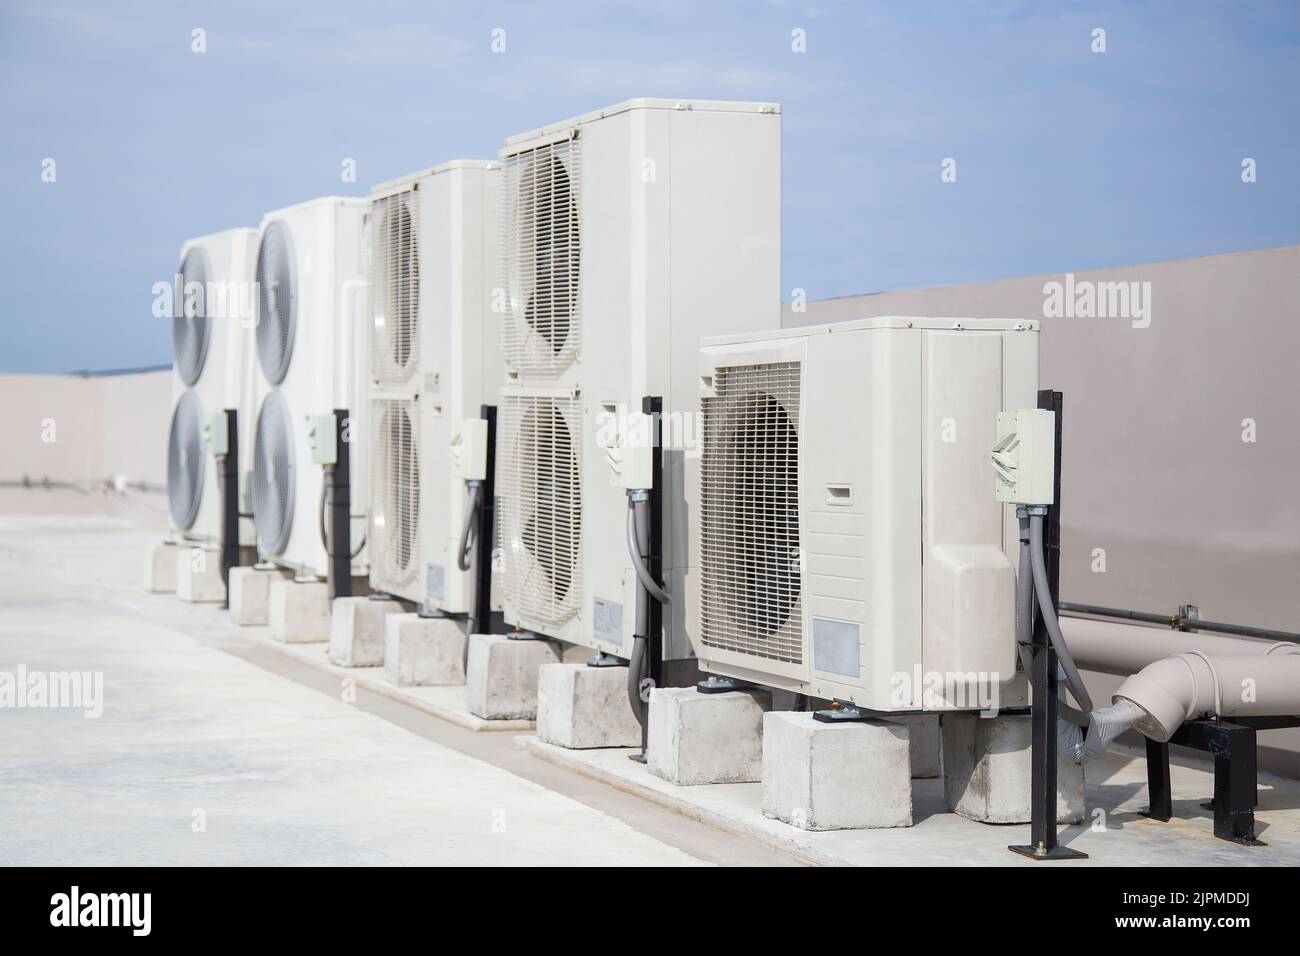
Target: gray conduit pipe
[471,509]
[638,548]
[1039,564]
[1079,736]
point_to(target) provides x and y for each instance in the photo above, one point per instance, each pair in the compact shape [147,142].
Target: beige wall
[1154,469]
[112,425]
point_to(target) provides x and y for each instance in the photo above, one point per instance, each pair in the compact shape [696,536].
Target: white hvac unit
[435,359]
[850,543]
[311,356]
[628,234]
[212,343]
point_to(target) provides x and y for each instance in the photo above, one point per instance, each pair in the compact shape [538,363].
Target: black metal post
[1158,791]
[1043,677]
[485,532]
[228,474]
[653,406]
[338,487]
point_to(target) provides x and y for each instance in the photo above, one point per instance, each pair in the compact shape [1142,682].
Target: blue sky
[1066,159]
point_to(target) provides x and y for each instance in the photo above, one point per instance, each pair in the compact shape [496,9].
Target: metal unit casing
[850,543]
[322,368]
[661,224]
[435,360]
[226,370]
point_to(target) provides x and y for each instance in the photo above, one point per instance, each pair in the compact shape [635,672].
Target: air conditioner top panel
[245,231]
[318,201]
[402,182]
[641,103]
[880,322]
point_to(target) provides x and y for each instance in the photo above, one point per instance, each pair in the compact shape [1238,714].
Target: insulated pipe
[1124,649]
[1186,686]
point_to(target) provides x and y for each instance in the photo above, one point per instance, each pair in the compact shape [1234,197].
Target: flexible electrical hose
[471,509]
[1025,622]
[320,523]
[638,547]
[1039,565]
[638,562]
[1080,737]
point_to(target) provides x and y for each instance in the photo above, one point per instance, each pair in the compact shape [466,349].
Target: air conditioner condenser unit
[849,541]
[213,372]
[435,359]
[311,361]
[629,233]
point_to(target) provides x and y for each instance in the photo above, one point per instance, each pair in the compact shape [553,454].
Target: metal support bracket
[1233,746]
[1043,678]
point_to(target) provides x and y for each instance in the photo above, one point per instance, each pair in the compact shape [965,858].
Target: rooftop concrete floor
[200,722]
[201,715]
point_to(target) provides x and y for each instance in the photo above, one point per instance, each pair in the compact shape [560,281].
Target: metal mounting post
[228,484]
[485,531]
[1043,677]
[338,489]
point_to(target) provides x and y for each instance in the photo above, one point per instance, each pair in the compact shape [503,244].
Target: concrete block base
[198,574]
[986,767]
[706,738]
[160,568]
[423,651]
[502,674]
[583,707]
[924,738]
[848,776]
[250,594]
[357,630]
[299,612]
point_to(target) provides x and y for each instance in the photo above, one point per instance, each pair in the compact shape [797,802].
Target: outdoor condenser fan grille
[396,521]
[749,513]
[395,285]
[277,301]
[541,502]
[542,250]
[191,324]
[273,475]
[185,459]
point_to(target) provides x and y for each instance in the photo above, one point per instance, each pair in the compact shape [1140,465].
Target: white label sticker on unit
[607,621]
[436,587]
[835,647]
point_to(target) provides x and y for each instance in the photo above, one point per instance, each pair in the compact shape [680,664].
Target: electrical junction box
[469,450]
[627,438]
[1024,457]
[216,435]
[322,435]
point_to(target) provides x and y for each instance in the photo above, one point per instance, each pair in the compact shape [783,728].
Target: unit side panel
[725,278]
[863,558]
[969,584]
[616,214]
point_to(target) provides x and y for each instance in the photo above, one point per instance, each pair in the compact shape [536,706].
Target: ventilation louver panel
[541,502]
[186,457]
[274,477]
[395,286]
[395,522]
[191,324]
[749,513]
[542,249]
[277,301]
